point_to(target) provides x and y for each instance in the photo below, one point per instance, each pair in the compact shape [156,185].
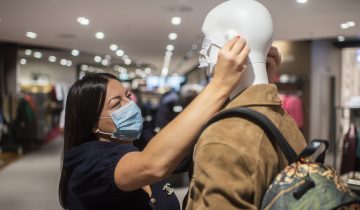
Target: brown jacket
[235,162]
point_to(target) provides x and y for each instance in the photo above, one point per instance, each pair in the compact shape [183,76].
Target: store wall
[326,64]
[55,72]
[296,60]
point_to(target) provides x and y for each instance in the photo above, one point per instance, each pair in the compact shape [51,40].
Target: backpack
[303,184]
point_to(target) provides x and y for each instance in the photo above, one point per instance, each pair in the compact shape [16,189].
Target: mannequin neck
[254,74]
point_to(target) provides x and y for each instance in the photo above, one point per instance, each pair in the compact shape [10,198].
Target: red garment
[293,105]
[348,162]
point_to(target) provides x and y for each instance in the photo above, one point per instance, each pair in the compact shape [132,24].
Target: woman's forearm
[165,151]
[178,136]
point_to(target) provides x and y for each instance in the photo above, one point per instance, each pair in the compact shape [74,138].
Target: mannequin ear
[230,34]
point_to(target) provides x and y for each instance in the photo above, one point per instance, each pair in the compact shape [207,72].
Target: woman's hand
[231,64]
[272,63]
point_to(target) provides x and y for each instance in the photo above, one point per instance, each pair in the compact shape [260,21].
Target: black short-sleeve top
[91,185]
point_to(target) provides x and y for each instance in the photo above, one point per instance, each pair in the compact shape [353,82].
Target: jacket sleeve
[223,179]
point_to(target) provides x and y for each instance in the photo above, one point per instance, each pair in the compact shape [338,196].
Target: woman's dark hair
[84,104]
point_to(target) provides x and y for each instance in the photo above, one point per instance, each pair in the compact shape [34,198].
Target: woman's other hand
[272,63]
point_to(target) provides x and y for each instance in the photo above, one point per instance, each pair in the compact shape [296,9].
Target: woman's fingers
[230,44]
[238,46]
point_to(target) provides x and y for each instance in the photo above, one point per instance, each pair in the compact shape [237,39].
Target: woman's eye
[117,104]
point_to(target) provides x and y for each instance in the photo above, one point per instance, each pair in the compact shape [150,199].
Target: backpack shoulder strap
[261,120]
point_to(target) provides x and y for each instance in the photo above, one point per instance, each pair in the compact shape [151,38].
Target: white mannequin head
[248,19]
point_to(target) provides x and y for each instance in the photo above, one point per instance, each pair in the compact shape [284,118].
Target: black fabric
[92,185]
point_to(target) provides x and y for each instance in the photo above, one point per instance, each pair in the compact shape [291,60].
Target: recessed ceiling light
[31,35]
[113,47]
[127,61]
[63,62]
[176,20]
[23,61]
[301,1]
[83,21]
[107,57]
[164,71]
[341,38]
[37,54]
[351,24]
[52,58]
[69,63]
[97,59]
[105,62]
[28,52]
[148,70]
[84,67]
[75,52]
[172,36]
[132,75]
[170,47]
[347,25]
[120,53]
[168,54]
[99,35]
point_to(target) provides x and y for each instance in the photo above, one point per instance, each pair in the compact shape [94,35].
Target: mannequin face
[247,18]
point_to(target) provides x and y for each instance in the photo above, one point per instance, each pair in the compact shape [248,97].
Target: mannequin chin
[252,21]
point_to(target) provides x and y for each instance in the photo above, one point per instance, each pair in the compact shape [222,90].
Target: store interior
[153,48]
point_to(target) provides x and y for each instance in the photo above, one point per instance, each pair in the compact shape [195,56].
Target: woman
[102,169]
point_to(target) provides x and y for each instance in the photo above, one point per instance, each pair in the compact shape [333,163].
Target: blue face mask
[128,122]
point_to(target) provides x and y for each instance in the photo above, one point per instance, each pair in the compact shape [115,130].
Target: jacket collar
[257,95]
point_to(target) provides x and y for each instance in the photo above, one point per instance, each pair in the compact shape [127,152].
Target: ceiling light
[148,70]
[301,1]
[97,59]
[138,72]
[113,47]
[123,70]
[120,53]
[52,58]
[132,75]
[351,24]
[83,21]
[23,61]
[344,25]
[28,52]
[168,54]
[107,57]
[341,38]
[170,47]
[99,35]
[84,67]
[105,62]
[31,35]
[127,61]
[164,72]
[75,52]
[347,25]
[172,36]
[37,54]
[63,62]
[68,63]
[176,20]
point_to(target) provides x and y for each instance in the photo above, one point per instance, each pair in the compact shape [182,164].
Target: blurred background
[152,47]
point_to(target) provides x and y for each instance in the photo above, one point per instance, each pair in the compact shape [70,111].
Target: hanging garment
[348,162]
[293,105]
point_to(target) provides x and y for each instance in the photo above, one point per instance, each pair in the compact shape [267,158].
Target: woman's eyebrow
[115,97]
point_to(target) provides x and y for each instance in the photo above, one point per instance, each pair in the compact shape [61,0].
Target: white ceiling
[141,28]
